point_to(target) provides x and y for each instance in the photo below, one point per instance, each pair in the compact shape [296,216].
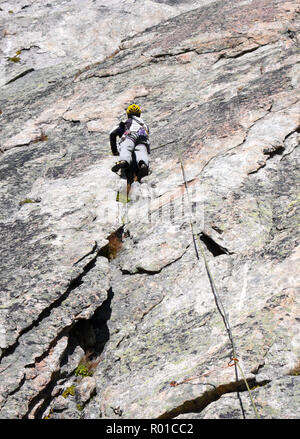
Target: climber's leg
[125,152]
[142,159]
[141,154]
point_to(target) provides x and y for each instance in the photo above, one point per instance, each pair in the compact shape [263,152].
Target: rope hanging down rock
[218,301]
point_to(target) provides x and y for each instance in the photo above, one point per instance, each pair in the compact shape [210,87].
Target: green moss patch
[14,59]
[69,391]
[83,370]
[26,201]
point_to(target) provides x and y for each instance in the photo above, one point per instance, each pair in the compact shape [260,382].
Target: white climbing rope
[218,301]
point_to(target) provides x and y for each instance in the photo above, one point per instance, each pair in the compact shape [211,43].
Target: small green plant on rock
[14,59]
[83,370]
[69,391]
[26,201]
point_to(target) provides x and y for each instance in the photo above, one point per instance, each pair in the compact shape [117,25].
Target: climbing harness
[234,362]
[143,130]
[138,132]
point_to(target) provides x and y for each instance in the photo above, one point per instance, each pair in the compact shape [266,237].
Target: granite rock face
[104,303]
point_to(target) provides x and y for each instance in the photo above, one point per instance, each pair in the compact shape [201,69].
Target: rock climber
[134,137]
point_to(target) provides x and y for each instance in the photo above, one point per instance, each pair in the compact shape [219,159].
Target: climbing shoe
[119,165]
[143,170]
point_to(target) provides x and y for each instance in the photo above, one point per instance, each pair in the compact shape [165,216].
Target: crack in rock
[141,270]
[47,311]
[38,403]
[21,75]
[274,151]
[200,403]
[91,335]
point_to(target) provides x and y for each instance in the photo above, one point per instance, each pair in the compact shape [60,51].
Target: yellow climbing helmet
[133,110]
